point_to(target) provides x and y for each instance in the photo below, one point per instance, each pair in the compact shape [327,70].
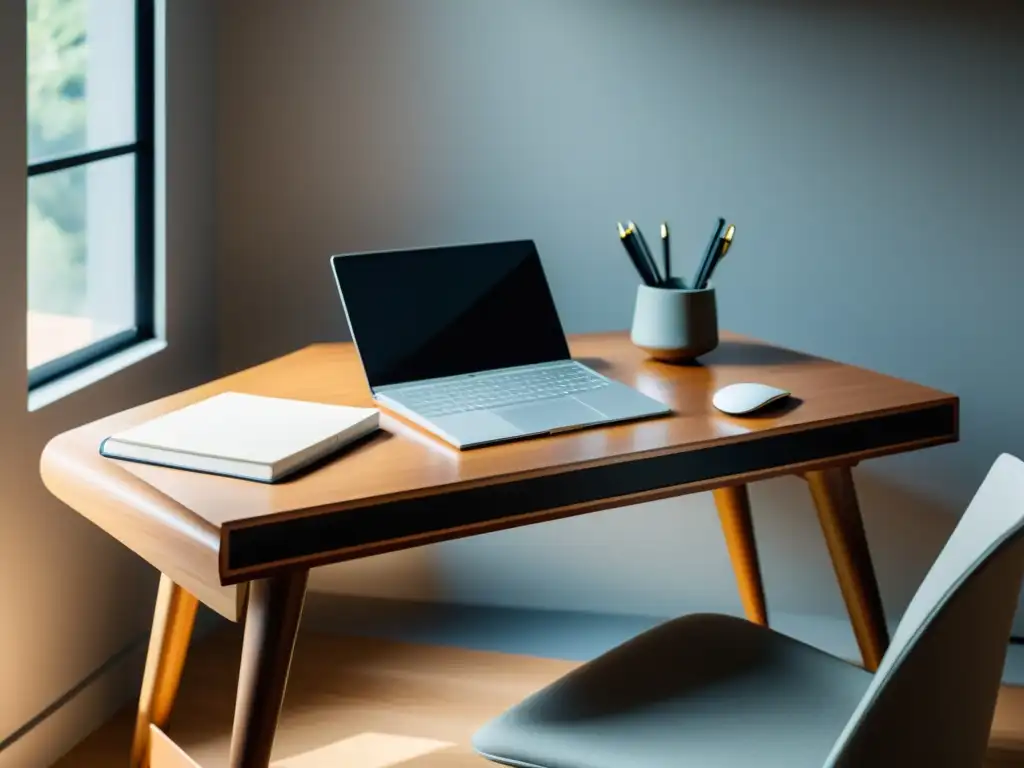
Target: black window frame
[145,214]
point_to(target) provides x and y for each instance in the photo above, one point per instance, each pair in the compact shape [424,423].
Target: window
[90,181]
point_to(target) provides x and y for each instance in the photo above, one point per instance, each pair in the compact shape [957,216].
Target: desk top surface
[403,463]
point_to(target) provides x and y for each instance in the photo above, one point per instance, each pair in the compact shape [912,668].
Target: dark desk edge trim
[249,548]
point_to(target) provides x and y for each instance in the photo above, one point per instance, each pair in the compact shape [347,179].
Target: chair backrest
[932,699]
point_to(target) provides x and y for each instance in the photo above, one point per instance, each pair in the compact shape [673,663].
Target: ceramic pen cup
[675,324]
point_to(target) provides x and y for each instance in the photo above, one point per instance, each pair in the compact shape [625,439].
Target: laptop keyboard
[498,389]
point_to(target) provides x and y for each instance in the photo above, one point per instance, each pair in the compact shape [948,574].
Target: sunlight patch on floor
[367,750]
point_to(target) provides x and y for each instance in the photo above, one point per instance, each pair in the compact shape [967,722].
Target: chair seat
[701,691]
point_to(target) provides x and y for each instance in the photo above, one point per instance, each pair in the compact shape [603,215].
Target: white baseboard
[87,705]
[82,711]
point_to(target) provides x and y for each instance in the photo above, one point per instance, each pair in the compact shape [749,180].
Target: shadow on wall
[985,14]
[408,575]
[905,530]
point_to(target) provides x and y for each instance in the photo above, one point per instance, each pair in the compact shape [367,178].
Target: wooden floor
[368,703]
[380,701]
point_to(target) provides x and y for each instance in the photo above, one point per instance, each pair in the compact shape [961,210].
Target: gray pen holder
[675,324]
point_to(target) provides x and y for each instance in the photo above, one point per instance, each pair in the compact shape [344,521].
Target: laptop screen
[447,311]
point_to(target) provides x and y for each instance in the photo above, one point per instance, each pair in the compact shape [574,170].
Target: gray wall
[70,596]
[870,156]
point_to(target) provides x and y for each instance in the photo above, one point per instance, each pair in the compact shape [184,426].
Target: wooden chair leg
[173,620]
[835,497]
[271,623]
[734,511]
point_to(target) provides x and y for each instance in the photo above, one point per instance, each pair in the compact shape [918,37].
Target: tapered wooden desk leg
[173,620]
[734,511]
[836,499]
[271,623]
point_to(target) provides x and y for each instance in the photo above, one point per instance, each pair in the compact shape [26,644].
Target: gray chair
[711,691]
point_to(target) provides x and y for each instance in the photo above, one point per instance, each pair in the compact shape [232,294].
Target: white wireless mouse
[738,399]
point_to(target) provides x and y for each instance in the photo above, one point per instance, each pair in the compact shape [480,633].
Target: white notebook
[244,436]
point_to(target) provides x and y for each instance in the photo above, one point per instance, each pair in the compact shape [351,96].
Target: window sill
[42,396]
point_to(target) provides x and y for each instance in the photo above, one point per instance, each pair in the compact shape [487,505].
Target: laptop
[465,341]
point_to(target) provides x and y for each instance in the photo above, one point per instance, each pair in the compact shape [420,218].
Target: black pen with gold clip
[639,262]
[724,243]
[709,256]
[633,231]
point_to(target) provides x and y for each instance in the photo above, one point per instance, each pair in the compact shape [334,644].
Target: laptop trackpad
[546,415]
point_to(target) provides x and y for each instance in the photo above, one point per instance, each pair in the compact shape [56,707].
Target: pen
[632,246]
[666,252]
[724,243]
[638,262]
[709,254]
[644,251]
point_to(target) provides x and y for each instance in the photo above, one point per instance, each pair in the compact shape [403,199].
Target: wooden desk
[211,536]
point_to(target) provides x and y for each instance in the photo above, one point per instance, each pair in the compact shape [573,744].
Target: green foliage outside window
[57,64]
